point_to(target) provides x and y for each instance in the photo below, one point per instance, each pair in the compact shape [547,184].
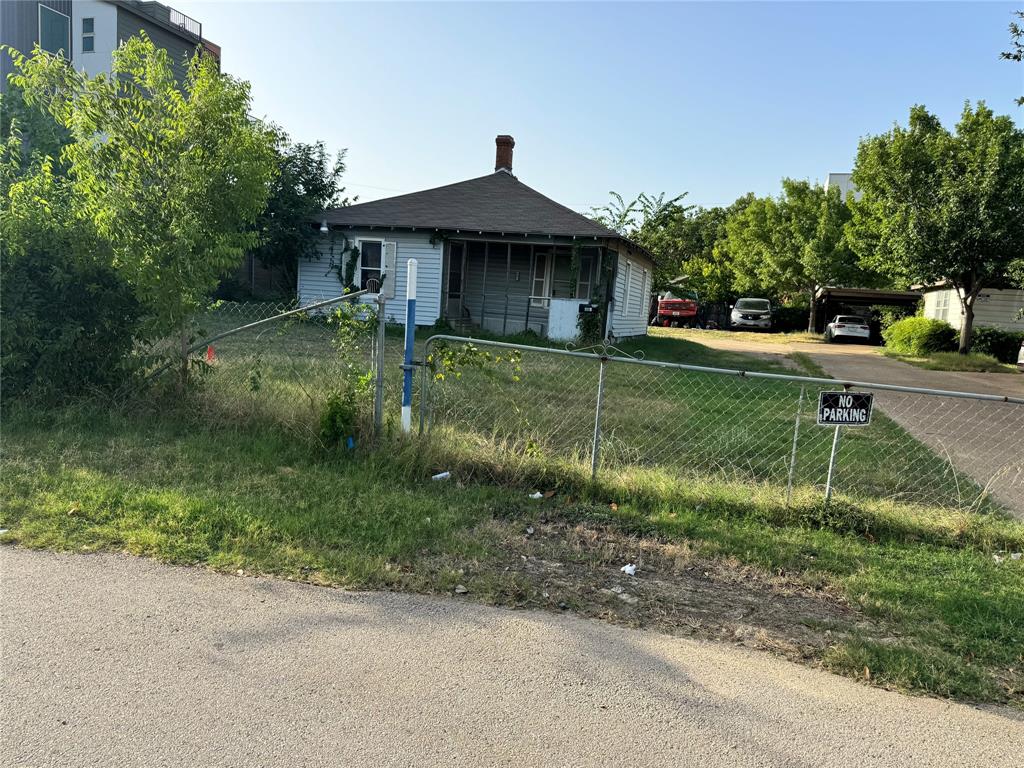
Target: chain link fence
[704,424]
[283,370]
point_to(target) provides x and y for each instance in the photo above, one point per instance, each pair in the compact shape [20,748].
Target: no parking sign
[844,409]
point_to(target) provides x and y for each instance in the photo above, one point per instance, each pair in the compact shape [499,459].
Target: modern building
[87,32]
[846,186]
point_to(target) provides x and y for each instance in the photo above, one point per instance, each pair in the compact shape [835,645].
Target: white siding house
[493,254]
[997,307]
[320,279]
[632,296]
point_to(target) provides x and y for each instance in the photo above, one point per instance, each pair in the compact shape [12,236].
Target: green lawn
[926,598]
[954,361]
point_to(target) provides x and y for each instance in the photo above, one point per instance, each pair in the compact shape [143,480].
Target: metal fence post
[595,452]
[831,466]
[378,393]
[425,381]
[792,454]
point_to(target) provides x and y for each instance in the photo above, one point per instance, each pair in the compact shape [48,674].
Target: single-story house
[995,307]
[492,253]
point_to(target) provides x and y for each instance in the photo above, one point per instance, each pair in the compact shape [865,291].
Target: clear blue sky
[716,99]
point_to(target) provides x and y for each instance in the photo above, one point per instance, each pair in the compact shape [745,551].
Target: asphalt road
[116,661]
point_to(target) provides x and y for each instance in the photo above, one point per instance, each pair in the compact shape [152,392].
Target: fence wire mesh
[708,425]
[285,370]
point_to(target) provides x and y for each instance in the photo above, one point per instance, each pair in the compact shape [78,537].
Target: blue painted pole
[410,341]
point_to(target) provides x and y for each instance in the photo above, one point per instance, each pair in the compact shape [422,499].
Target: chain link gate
[603,410]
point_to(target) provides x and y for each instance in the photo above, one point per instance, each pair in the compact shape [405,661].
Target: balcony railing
[190,25]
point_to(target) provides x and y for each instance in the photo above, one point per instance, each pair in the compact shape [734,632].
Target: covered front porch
[508,287]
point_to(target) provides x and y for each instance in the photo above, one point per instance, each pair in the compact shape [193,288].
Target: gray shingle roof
[498,202]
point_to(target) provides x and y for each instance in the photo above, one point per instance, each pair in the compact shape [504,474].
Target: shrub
[1002,345]
[67,321]
[787,319]
[67,327]
[888,315]
[920,336]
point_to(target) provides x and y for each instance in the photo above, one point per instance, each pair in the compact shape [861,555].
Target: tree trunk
[967,332]
[812,317]
[970,295]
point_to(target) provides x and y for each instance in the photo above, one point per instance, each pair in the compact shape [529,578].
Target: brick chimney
[503,153]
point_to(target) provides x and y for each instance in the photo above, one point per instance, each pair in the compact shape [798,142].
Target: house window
[942,305]
[88,35]
[583,282]
[54,32]
[541,287]
[371,252]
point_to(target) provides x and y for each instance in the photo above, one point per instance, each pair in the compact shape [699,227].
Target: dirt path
[983,439]
[117,661]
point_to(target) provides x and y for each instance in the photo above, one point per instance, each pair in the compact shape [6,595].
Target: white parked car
[848,327]
[751,313]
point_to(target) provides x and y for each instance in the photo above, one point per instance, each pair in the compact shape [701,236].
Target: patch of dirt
[570,566]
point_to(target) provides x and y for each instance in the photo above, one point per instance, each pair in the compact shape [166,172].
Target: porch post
[483,290]
[462,286]
[529,289]
[508,276]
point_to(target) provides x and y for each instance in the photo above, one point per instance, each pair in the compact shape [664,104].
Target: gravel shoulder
[113,660]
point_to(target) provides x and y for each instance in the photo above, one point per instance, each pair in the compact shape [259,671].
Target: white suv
[751,313]
[848,327]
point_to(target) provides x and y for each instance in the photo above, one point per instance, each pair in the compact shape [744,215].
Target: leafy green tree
[67,321]
[940,206]
[628,218]
[792,245]
[1017,41]
[690,245]
[172,176]
[308,181]
[37,133]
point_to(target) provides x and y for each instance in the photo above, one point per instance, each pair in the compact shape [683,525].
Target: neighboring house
[492,253]
[88,31]
[995,307]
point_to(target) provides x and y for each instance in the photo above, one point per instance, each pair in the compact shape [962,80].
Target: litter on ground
[629,569]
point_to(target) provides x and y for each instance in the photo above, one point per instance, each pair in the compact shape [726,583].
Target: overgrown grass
[954,361]
[169,485]
[227,479]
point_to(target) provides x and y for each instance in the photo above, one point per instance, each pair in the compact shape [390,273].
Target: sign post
[842,409]
[410,341]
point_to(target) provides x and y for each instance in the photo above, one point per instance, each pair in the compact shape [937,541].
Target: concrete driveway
[117,661]
[985,440]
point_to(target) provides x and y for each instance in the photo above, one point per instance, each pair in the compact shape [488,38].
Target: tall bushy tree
[793,244]
[67,322]
[942,206]
[172,175]
[1016,53]
[308,181]
[690,244]
[644,210]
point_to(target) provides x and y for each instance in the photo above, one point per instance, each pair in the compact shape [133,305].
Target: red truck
[676,310]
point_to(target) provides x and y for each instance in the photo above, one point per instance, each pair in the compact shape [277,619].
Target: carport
[857,301]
